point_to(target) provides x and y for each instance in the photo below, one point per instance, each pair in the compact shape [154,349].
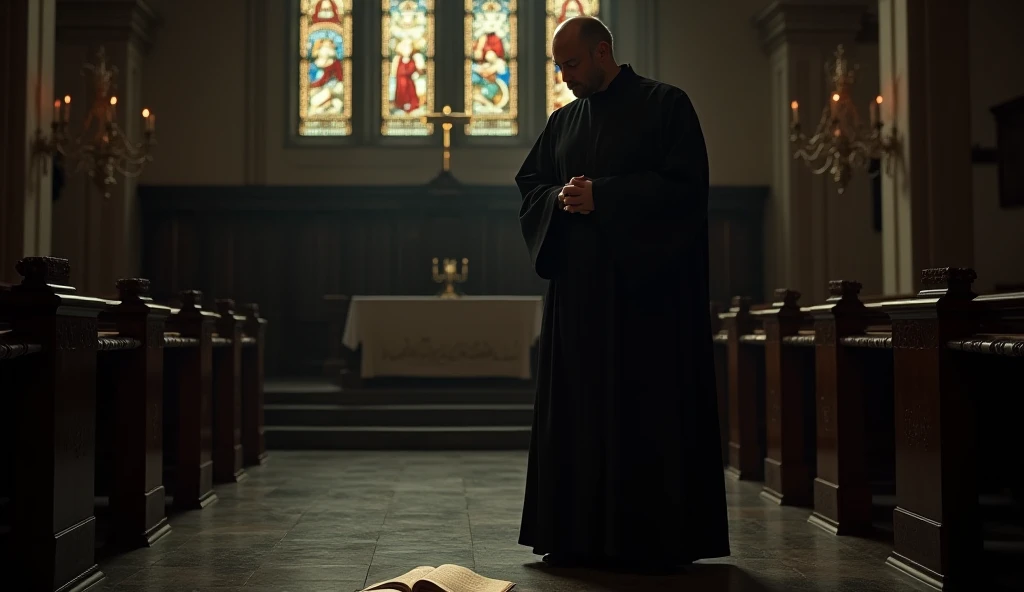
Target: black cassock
[625,461]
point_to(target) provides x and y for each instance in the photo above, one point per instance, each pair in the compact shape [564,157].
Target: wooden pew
[52,388]
[940,340]
[789,463]
[765,370]
[899,384]
[853,389]
[227,396]
[745,354]
[130,419]
[188,403]
[254,347]
[720,339]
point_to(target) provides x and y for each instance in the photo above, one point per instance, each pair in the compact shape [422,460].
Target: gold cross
[447,119]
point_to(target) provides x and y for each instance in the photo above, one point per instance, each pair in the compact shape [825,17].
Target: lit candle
[67,108]
[795,107]
[874,110]
[449,267]
[148,116]
[56,111]
[113,108]
[834,105]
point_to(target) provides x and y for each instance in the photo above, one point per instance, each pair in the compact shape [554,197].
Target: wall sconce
[102,150]
[841,142]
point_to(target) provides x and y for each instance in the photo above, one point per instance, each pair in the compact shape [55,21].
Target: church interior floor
[336,521]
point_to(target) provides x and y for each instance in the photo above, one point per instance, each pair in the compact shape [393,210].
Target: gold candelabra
[841,142]
[449,276]
[103,149]
[447,119]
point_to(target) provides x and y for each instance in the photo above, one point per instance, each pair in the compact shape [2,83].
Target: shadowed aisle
[333,521]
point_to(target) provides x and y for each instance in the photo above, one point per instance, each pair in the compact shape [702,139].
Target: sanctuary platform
[399,414]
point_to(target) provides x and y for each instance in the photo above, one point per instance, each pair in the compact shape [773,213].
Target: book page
[404,582]
[455,578]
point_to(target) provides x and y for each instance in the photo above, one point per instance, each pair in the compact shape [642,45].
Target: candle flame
[878,99]
[56,104]
[67,99]
[113,100]
[835,97]
[145,113]
[794,105]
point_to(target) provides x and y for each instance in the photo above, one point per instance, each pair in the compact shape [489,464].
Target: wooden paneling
[286,247]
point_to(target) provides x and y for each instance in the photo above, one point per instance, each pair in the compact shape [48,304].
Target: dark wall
[286,247]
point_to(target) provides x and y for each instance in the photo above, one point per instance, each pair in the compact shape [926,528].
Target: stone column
[804,230]
[26,108]
[927,211]
[101,234]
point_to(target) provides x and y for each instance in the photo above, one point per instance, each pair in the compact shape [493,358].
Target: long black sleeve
[540,218]
[652,216]
[675,188]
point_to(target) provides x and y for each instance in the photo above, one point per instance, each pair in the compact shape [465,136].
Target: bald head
[586,30]
[582,50]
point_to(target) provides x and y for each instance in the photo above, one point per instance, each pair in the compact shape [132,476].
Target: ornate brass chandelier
[841,142]
[102,150]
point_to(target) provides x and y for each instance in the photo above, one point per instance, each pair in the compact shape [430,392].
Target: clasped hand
[577,196]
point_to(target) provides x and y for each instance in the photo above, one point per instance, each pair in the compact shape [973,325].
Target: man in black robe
[625,464]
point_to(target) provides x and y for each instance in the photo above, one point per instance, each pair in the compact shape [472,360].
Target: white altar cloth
[425,336]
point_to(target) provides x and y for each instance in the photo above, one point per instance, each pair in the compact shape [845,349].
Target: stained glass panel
[491,83]
[407,67]
[325,68]
[558,94]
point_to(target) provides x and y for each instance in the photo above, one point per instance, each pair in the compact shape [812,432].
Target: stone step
[399,396]
[399,415]
[398,437]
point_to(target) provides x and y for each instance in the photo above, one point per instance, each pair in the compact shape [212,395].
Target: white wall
[711,50]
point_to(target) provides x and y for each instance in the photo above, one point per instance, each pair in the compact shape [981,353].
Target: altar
[430,337]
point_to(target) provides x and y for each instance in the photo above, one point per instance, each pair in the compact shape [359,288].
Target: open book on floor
[444,578]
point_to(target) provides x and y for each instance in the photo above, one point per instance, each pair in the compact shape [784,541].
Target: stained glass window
[558,94]
[325,72]
[407,68]
[491,82]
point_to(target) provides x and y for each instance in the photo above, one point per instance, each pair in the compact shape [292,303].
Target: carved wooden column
[787,473]
[26,107]
[842,493]
[53,524]
[936,525]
